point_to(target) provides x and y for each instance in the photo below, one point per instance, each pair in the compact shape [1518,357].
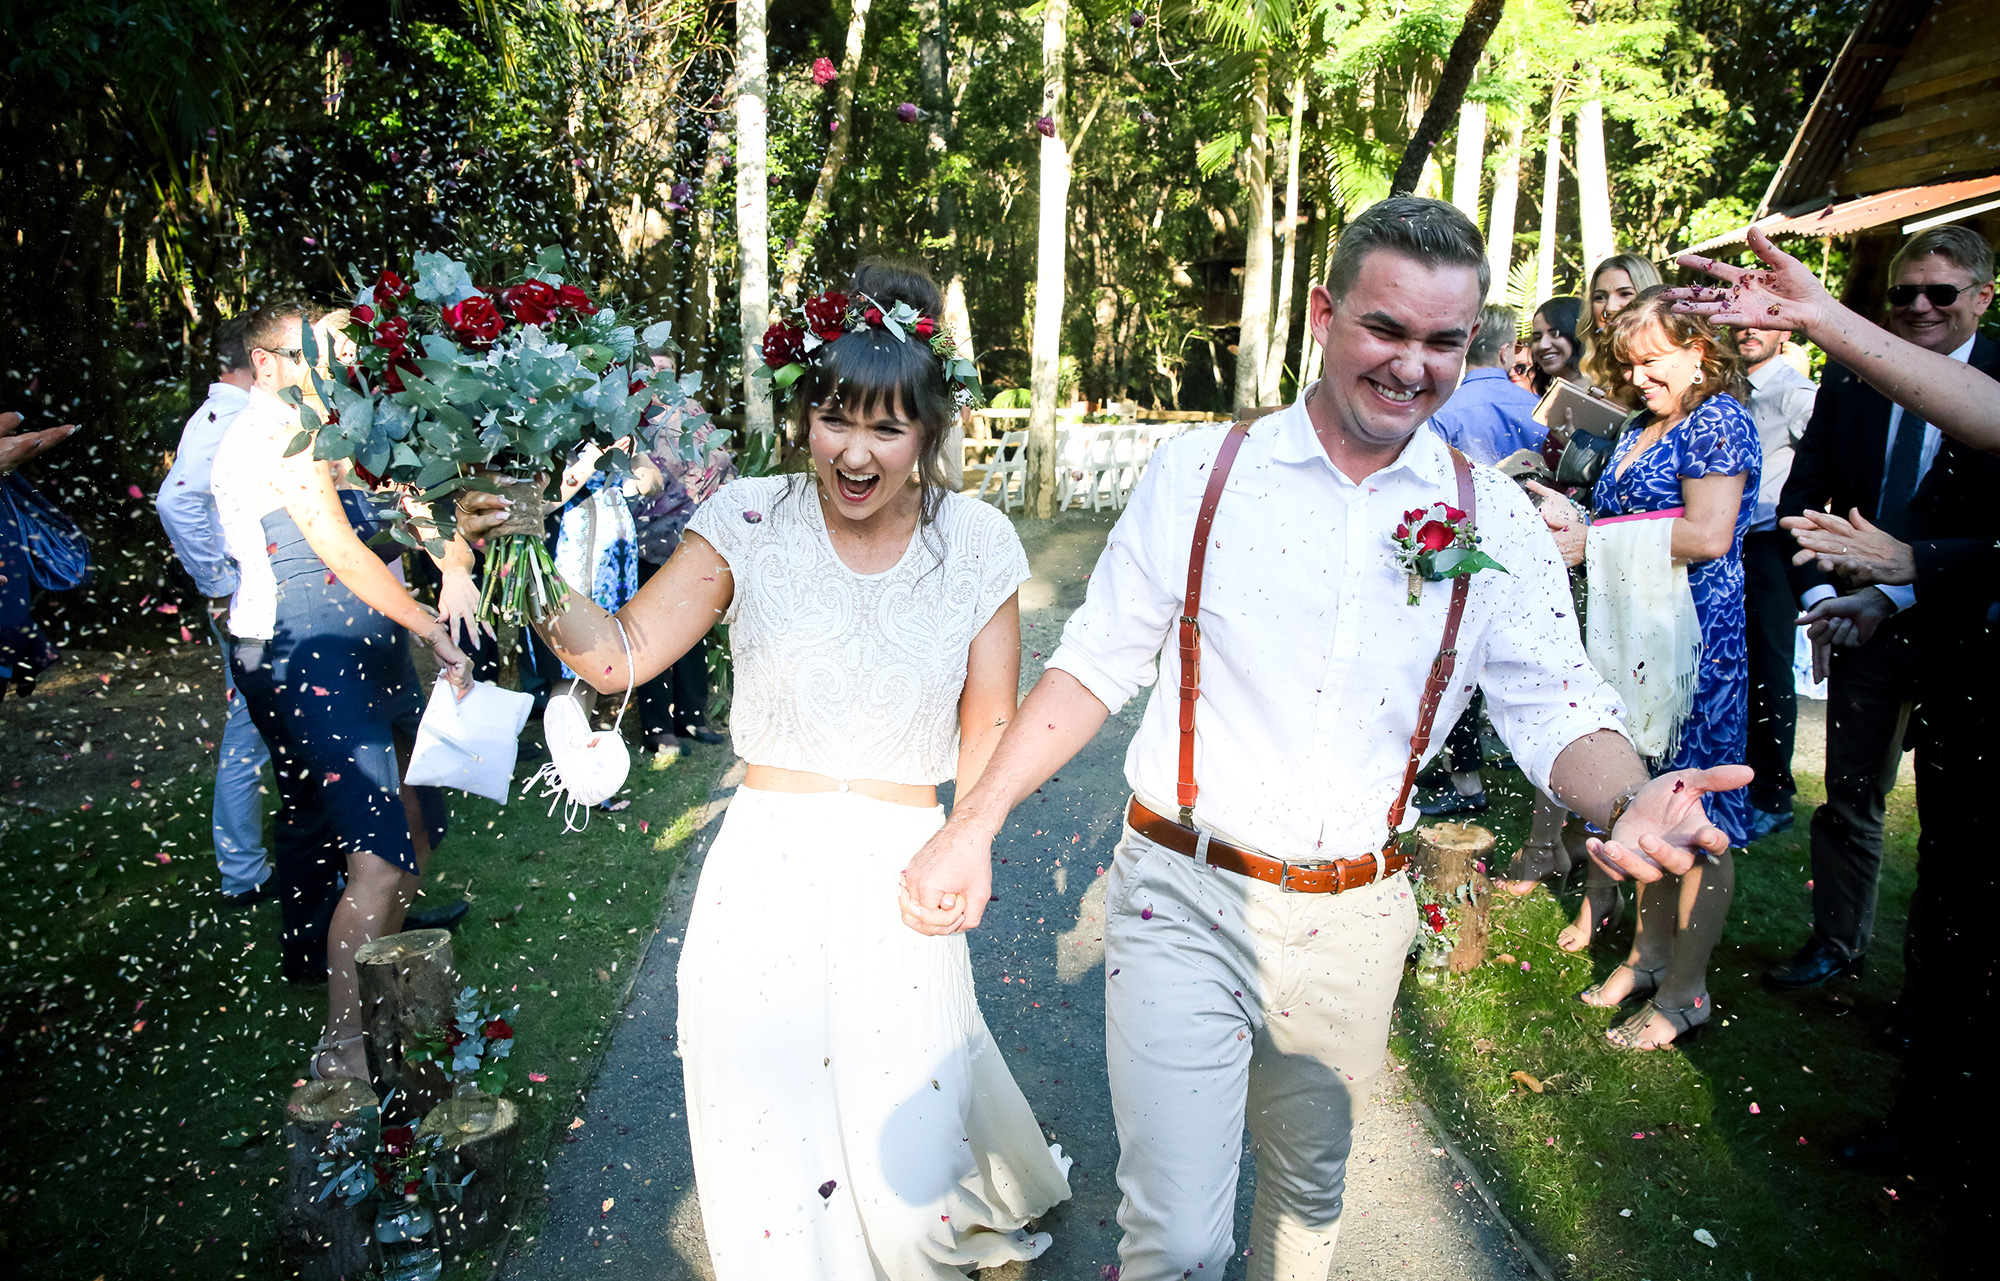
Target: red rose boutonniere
[1435,543]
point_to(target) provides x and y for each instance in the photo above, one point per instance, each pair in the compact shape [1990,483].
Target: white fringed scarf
[1642,633]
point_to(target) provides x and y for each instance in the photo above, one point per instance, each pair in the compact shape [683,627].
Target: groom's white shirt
[1312,660]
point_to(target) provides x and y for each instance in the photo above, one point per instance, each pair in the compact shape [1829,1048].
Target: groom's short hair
[1433,232]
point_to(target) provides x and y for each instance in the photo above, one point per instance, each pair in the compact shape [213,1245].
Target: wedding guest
[596,547]
[1617,281]
[1953,564]
[1255,943]
[1781,400]
[187,512]
[1553,345]
[851,1117]
[1488,417]
[1862,451]
[319,656]
[24,650]
[674,704]
[1693,456]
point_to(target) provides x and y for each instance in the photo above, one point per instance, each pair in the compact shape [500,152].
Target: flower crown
[789,349]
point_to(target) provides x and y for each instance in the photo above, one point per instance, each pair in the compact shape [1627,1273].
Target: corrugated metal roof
[1877,210]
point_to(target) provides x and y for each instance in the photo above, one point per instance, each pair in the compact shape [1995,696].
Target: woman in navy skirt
[321,659]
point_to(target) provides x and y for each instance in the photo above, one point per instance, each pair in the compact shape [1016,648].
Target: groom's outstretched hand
[1664,831]
[946,887]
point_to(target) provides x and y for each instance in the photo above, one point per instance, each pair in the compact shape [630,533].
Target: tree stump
[408,989]
[480,1137]
[328,1239]
[1445,856]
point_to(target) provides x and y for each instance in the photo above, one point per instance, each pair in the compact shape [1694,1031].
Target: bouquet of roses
[472,1043]
[456,388]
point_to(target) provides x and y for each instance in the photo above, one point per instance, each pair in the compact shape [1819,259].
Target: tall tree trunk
[940,102]
[1500,220]
[1051,248]
[1272,387]
[1593,183]
[698,309]
[753,200]
[1453,81]
[1254,331]
[836,153]
[1469,165]
[1552,159]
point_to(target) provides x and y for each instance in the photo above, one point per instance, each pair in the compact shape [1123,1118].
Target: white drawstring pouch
[586,767]
[469,743]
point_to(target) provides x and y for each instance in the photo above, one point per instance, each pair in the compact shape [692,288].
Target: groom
[1257,914]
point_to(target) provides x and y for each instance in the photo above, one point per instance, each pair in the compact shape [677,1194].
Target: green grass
[1569,1162]
[147,1042]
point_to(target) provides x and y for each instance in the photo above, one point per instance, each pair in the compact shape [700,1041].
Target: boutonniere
[1435,543]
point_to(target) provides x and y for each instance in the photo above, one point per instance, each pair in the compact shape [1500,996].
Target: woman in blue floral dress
[1693,448]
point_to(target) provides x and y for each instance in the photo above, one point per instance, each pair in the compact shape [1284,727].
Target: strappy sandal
[1631,1034]
[1644,983]
[328,1045]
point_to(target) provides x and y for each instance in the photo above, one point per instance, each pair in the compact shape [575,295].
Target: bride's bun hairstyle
[870,369]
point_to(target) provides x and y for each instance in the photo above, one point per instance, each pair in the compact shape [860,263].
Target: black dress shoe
[1895,1034]
[702,734]
[263,892]
[1878,1150]
[1810,966]
[1451,802]
[1433,777]
[438,918]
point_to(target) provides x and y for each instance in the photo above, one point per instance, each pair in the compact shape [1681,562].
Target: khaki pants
[1231,1002]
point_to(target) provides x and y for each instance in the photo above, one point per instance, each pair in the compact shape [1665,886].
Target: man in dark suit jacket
[1861,452]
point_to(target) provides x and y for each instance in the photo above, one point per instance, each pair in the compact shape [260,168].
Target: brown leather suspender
[1190,637]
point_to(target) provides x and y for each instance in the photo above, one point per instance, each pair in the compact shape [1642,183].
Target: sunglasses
[1940,295]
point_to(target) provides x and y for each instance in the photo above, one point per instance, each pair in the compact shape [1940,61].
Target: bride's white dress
[851,1117]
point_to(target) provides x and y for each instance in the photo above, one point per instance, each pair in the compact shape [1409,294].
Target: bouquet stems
[522,586]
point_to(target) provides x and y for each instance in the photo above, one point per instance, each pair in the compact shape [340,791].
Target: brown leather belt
[1330,876]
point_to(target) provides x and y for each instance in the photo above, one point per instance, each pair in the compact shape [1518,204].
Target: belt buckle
[1285,872]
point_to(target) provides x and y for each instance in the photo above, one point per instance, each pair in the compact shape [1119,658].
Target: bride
[850,1114]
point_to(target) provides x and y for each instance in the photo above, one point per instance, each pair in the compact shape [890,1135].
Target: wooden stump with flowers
[1454,895]
[328,1237]
[408,991]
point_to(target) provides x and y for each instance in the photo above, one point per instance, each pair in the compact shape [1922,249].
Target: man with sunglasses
[1861,452]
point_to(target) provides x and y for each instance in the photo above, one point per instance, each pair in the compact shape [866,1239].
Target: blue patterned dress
[1717,439]
[597,548]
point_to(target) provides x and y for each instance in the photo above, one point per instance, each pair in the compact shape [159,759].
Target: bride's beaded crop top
[853,675]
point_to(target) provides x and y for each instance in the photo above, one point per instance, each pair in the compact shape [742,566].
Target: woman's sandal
[330,1046]
[1631,1034]
[1644,983]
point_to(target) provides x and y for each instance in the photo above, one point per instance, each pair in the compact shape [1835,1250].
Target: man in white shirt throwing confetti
[1319,588]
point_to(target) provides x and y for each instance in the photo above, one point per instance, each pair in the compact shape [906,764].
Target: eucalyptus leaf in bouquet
[454,387]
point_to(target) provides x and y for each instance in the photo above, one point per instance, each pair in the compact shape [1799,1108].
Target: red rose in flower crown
[391,285]
[576,300]
[784,345]
[924,327]
[476,320]
[393,336]
[873,315]
[533,302]
[825,311]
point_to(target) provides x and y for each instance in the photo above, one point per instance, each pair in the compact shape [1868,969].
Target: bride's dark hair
[871,369]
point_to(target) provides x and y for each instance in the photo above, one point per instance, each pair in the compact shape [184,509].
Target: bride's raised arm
[671,612]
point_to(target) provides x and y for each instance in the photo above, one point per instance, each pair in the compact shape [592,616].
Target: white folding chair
[1006,474]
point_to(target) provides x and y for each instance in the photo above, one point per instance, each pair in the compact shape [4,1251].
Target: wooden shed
[1904,134]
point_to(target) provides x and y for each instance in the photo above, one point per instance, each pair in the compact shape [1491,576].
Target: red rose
[1402,532]
[533,302]
[374,481]
[824,311]
[784,345]
[410,1188]
[1415,514]
[497,1030]
[634,387]
[1435,536]
[925,326]
[393,380]
[362,313]
[397,1139]
[873,315]
[576,300]
[393,336]
[476,320]
[833,333]
[390,285]
[1453,514]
